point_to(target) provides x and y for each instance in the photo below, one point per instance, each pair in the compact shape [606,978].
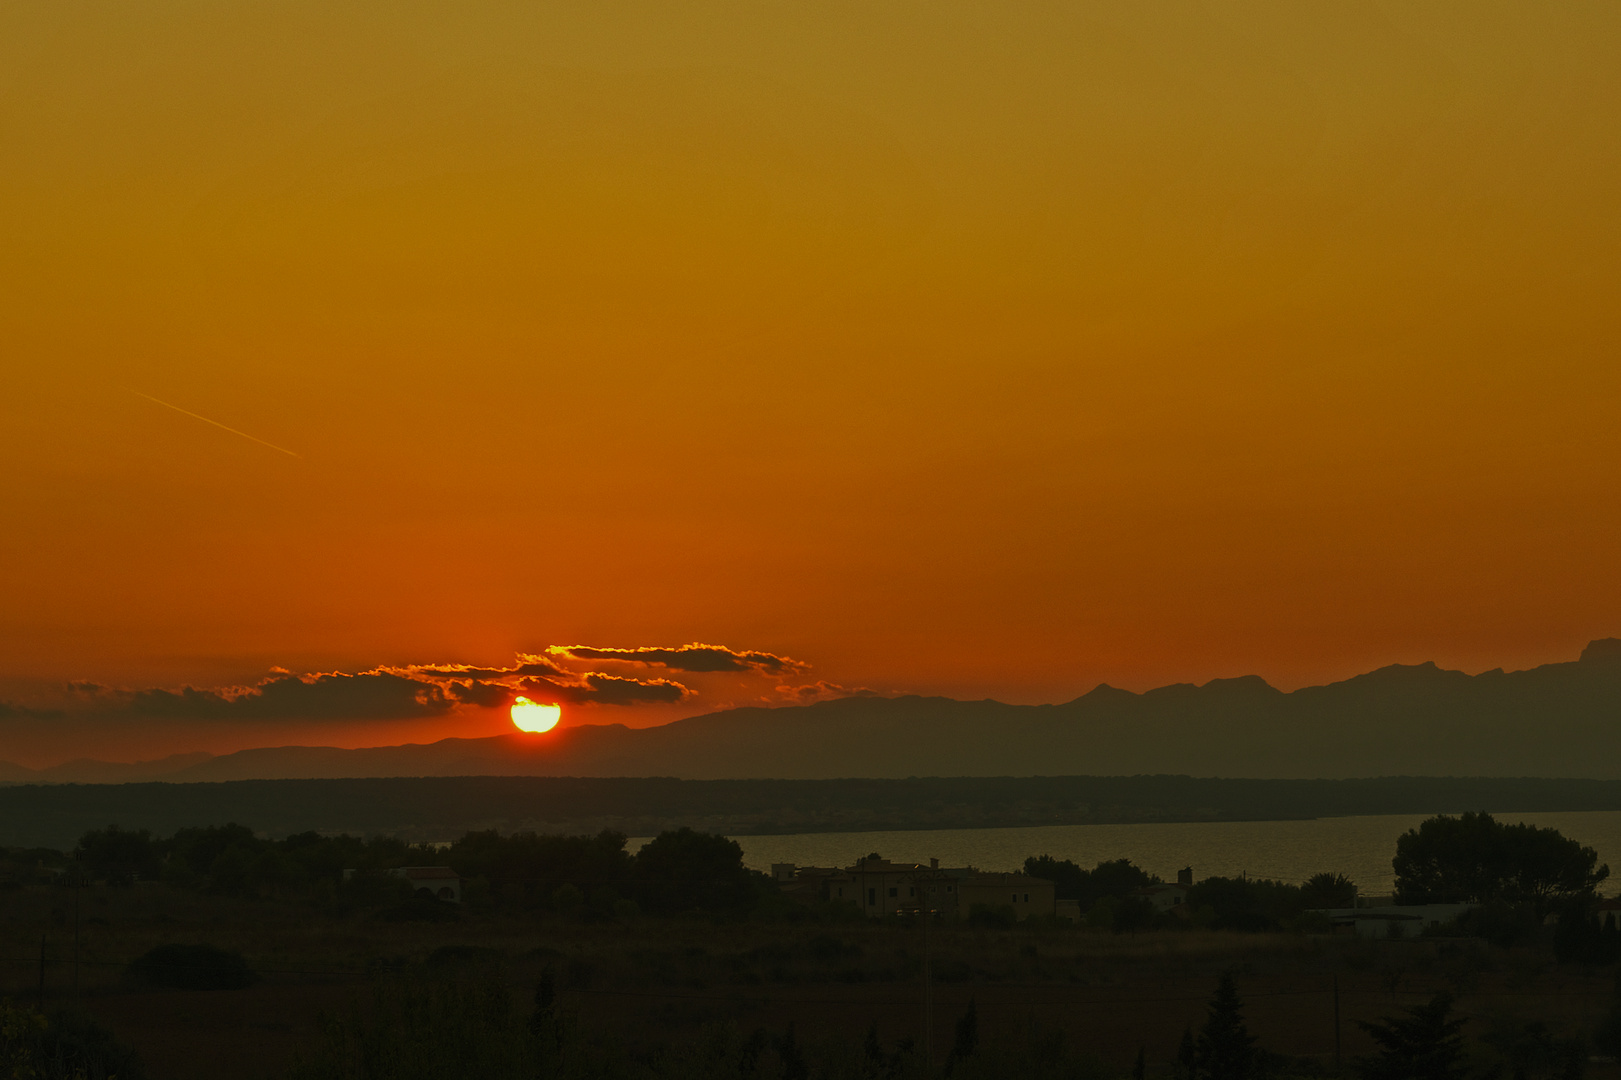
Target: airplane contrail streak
[216,423]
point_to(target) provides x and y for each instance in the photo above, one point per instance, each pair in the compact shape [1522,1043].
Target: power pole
[1338,1064]
[928,984]
[78,886]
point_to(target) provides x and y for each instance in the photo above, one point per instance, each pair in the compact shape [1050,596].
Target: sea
[1358,847]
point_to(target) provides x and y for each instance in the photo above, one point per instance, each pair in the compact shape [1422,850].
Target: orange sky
[964,348]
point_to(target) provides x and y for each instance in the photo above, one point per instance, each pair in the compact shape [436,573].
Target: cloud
[596,688]
[528,664]
[695,657]
[372,695]
[821,690]
[421,691]
[482,694]
[22,712]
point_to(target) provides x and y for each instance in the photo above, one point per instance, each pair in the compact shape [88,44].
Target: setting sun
[533,716]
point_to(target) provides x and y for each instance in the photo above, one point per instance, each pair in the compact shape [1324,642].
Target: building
[1170,897]
[1393,920]
[881,887]
[1027,896]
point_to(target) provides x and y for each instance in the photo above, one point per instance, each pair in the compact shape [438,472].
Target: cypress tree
[967,1036]
[1226,1049]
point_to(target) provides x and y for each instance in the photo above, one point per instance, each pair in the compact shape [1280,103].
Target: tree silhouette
[1477,859]
[1187,1056]
[966,1042]
[1424,1044]
[1226,1049]
[1328,891]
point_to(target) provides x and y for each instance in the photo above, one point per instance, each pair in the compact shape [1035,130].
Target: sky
[976,349]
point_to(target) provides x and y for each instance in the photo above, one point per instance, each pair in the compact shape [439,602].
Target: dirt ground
[659,980]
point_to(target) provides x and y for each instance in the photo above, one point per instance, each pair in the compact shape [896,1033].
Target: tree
[1243,903]
[1118,877]
[966,1041]
[197,848]
[1068,879]
[1133,913]
[1477,859]
[1328,891]
[1226,1049]
[1424,1044]
[1111,878]
[686,870]
[118,856]
[1187,1056]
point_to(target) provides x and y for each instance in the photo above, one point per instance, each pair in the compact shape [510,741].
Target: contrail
[217,424]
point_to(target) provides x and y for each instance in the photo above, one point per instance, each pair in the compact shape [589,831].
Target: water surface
[1358,847]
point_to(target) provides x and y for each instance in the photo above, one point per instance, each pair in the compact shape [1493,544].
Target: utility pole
[78,886]
[928,983]
[1338,1064]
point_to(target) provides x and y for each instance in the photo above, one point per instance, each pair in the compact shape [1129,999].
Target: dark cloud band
[696,657]
[421,691]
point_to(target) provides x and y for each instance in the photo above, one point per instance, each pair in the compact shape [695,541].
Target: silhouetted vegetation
[1110,879]
[1252,904]
[687,939]
[1422,1044]
[589,876]
[1225,1049]
[191,967]
[55,815]
[1328,891]
[60,1047]
[1477,859]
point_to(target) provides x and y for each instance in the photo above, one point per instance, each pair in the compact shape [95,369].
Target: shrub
[420,909]
[192,967]
[63,1047]
[992,916]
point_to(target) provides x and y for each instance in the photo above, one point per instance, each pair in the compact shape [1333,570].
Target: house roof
[987,877]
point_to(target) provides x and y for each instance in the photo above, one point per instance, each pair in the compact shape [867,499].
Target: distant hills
[1557,720]
[444,807]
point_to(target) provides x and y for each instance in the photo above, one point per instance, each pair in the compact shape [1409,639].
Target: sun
[533,716]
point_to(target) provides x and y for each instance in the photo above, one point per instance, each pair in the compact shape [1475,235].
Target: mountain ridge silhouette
[1556,720]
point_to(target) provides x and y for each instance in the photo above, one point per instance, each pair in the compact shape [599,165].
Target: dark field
[644,982]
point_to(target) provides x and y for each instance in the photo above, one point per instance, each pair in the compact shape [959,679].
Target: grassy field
[648,982]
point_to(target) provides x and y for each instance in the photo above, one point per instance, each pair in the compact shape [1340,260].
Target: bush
[1328,891]
[1111,878]
[420,909]
[192,967]
[118,856]
[992,916]
[63,1047]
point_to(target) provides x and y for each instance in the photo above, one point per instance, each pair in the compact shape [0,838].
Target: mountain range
[1557,720]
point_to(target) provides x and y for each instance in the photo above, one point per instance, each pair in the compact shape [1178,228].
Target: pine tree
[967,1036]
[1187,1056]
[1226,1049]
[1425,1044]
